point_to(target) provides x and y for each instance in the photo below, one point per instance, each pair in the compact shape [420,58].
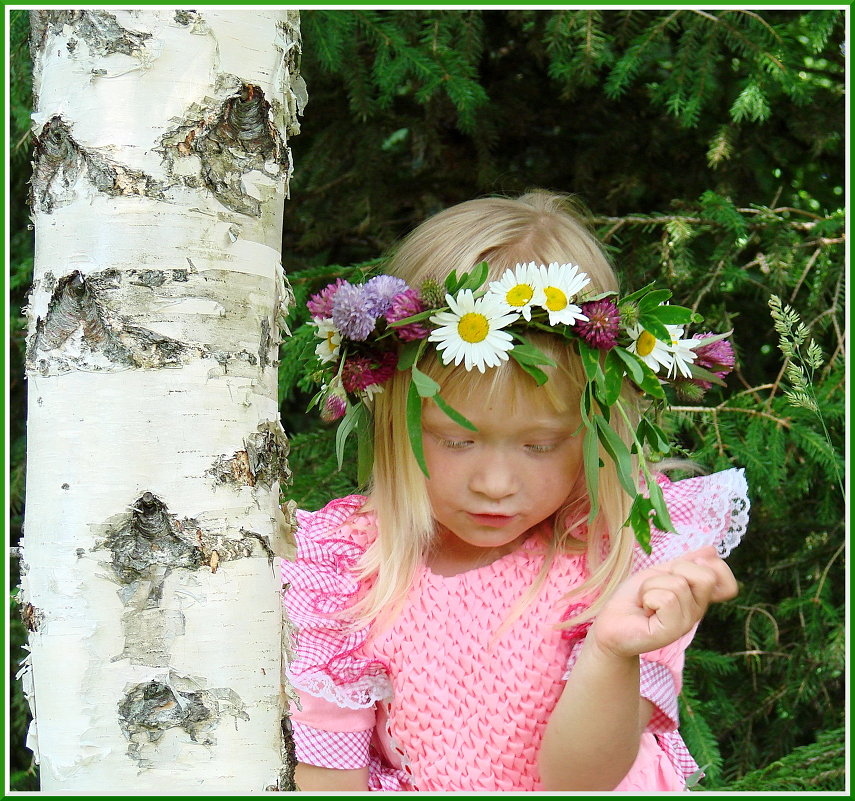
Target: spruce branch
[714,411]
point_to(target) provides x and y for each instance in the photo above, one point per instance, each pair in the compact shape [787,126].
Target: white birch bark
[155,452]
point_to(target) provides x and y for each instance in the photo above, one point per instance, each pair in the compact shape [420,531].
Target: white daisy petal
[682,351]
[520,289]
[652,351]
[561,283]
[327,350]
[471,332]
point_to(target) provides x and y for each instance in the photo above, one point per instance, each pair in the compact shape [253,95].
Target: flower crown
[368,331]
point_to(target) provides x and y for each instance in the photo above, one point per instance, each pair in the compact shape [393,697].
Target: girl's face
[489,488]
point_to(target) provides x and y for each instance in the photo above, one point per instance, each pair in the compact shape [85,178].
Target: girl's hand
[656,606]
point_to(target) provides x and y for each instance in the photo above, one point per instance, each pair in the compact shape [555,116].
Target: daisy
[683,352]
[520,289]
[328,348]
[560,284]
[653,352]
[471,331]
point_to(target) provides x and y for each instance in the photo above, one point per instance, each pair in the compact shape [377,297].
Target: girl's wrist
[605,652]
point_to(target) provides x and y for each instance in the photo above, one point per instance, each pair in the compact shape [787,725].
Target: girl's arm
[310,778]
[594,732]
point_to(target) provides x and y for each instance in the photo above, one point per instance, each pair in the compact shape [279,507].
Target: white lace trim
[361,694]
[721,512]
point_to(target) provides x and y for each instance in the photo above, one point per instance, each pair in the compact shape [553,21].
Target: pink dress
[446,699]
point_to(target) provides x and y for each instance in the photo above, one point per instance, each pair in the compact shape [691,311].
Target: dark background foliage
[709,147]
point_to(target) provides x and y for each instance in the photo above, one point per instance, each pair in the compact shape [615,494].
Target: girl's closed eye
[541,447]
[454,444]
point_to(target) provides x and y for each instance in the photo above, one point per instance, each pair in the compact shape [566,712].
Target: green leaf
[661,517]
[453,413]
[614,372]
[537,374]
[346,425]
[650,324]
[705,375]
[590,360]
[527,353]
[591,461]
[653,435]
[451,282]
[638,294]
[413,318]
[476,278]
[649,382]
[424,384]
[633,364]
[414,426]
[410,354]
[671,315]
[652,299]
[617,449]
[716,338]
[639,519]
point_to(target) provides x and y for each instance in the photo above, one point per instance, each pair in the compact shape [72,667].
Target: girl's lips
[495,521]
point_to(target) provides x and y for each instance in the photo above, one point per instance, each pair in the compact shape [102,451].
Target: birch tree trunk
[155,451]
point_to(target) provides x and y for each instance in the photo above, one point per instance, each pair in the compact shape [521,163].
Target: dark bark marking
[60,160]
[264,344]
[152,537]
[147,711]
[289,757]
[99,29]
[183,17]
[31,616]
[263,460]
[75,306]
[146,546]
[237,138]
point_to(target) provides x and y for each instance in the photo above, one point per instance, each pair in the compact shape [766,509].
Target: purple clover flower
[381,290]
[602,326]
[360,372]
[320,305]
[406,304]
[334,409]
[717,357]
[353,313]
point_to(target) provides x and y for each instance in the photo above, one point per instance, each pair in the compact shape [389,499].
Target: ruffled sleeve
[321,585]
[705,510]
[336,682]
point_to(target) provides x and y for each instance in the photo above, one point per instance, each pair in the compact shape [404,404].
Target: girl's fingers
[671,597]
[724,586]
[685,588]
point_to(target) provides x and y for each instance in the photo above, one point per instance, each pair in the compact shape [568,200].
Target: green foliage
[812,768]
[709,145]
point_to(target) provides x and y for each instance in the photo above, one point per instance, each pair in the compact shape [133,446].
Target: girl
[484,619]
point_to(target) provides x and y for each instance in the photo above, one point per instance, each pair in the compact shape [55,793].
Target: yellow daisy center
[519,295]
[645,343]
[330,343]
[473,327]
[556,300]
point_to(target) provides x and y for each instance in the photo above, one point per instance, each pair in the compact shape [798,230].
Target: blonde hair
[540,227]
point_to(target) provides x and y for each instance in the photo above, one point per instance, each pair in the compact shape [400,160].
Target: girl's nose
[495,478]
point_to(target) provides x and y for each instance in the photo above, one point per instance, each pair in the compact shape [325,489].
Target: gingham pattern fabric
[328,662]
[345,750]
[705,510]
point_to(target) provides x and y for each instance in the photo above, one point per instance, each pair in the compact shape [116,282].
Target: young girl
[484,619]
